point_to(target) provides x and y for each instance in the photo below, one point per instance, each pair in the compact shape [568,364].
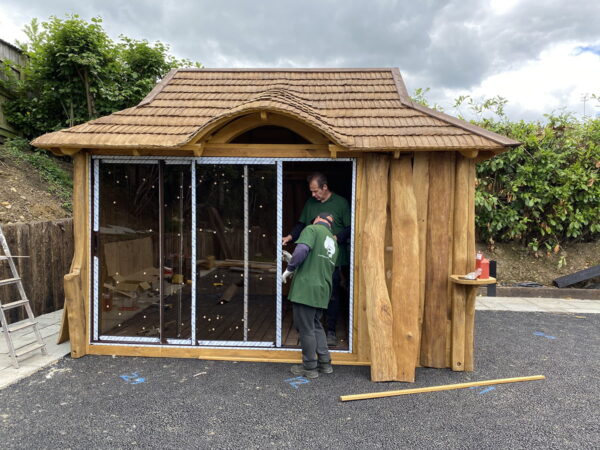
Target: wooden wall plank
[405,285]
[421,187]
[470,305]
[459,260]
[360,326]
[437,306]
[74,296]
[379,308]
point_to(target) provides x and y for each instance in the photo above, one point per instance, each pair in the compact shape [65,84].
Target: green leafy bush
[545,192]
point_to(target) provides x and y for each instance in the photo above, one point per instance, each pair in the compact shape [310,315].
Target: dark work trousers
[307,320]
[333,309]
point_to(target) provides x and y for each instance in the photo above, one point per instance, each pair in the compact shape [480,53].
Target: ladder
[22,302]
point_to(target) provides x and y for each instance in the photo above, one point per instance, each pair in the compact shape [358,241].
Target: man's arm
[298,257]
[343,236]
[295,234]
[300,254]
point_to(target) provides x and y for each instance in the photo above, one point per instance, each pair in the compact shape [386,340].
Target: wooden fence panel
[49,247]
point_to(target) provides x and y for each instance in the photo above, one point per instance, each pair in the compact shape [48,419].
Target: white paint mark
[54,371]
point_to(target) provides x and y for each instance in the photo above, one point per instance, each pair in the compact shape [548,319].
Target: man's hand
[286,239]
[286,256]
[287,274]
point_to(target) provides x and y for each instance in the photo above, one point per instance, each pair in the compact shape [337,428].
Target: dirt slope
[24,196]
[516,264]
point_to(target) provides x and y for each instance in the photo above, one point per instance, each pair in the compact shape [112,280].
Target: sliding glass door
[237,251]
[188,251]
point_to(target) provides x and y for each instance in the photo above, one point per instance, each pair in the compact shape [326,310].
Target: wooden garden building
[180,204]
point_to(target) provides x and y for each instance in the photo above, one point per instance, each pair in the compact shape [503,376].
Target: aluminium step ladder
[22,302]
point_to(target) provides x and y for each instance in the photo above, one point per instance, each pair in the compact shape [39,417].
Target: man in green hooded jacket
[312,266]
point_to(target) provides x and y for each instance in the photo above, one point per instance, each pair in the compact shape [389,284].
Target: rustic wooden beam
[220,354]
[405,285]
[74,295]
[361,325]
[470,304]
[199,150]
[435,344]
[69,151]
[469,153]
[379,308]
[446,387]
[333,149]
[459,260]
[421,184]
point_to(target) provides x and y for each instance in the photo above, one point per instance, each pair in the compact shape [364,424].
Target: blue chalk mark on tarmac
[133,378]
[484,390]
[539,333]
[297,381]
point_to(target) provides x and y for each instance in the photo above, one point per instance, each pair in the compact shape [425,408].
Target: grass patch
[60,182]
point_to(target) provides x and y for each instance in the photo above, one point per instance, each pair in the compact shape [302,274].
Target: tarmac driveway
[106,402]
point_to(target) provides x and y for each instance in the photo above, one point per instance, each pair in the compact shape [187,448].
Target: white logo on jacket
[329,245]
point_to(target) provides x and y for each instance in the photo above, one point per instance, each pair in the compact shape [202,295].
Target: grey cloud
[436,43]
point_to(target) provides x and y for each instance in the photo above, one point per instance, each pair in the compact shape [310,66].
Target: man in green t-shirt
[323,199]
[312,266]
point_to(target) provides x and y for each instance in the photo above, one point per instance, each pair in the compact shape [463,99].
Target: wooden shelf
[479,282]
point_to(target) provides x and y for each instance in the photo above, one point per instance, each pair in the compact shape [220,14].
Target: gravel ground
[107,402]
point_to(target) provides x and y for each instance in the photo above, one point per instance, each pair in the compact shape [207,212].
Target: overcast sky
[542,55]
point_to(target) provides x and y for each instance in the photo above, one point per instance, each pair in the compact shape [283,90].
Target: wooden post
[459,260]
[470,304]
[421,184]
[437,307]
[379,308]
[405,280]
[74,297]
[361,325]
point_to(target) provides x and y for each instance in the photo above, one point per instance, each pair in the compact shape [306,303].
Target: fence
[49,246]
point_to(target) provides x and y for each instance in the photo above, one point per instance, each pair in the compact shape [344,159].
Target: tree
[75,73]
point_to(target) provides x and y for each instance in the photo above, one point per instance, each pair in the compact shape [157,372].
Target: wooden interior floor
[220,321]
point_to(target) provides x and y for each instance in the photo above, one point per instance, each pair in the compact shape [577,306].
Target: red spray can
[485,268]
[478,258]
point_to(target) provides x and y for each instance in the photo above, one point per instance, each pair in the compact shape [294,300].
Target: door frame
[94,200]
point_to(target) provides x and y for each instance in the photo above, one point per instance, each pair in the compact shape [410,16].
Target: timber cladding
[419,317]
[49,247]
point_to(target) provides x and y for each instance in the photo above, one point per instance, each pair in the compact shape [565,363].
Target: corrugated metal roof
[359,109]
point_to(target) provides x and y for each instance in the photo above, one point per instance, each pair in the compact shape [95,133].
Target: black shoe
[298,369]
[325,367]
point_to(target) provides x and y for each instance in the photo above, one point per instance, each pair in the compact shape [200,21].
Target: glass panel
[127,248]
[178,251]
[262,246]
[223,299]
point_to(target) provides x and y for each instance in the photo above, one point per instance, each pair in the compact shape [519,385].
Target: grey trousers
[307,320]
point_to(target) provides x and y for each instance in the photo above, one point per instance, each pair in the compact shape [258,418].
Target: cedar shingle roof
[360,109]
